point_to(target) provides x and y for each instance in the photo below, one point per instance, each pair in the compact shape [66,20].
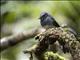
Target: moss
[52,56]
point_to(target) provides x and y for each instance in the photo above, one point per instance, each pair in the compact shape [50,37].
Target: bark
[14,39]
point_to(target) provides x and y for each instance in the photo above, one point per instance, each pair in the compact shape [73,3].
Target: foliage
[52,56]
[23,15]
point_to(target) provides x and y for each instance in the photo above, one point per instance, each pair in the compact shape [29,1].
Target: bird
[47,21]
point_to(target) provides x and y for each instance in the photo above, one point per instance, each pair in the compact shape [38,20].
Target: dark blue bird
[48,21]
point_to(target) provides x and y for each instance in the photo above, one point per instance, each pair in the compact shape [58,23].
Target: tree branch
[51,40]
[14,39]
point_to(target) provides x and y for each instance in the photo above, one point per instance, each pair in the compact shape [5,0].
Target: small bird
[47,21]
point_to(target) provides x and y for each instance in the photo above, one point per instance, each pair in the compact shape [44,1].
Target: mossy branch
[56,37]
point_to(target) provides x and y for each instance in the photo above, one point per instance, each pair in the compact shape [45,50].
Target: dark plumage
[48,20]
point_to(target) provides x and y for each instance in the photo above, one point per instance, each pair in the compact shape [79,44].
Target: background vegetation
[18,16]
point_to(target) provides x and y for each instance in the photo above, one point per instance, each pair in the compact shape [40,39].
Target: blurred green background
[19,16]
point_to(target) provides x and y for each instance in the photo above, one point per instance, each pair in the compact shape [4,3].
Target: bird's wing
[55,23]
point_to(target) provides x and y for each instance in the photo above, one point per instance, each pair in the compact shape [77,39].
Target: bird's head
[43,15]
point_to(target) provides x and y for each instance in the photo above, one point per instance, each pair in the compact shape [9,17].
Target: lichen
[49,55]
